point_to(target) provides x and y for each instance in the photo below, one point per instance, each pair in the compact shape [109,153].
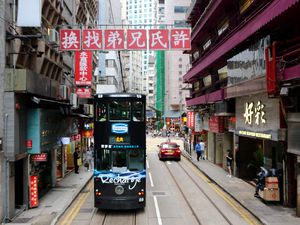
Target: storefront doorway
[19,184]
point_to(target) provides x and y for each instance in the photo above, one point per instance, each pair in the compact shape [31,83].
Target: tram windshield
[120,160]
[119,111]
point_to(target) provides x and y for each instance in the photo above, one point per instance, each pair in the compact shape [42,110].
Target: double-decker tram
[119,151]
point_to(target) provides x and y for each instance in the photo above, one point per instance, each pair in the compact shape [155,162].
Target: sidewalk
[56,201]
[244,194]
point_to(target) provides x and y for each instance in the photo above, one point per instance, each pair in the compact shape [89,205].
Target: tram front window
[119,163]
[119,111]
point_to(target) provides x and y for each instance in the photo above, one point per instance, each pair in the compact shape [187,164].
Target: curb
[190,158]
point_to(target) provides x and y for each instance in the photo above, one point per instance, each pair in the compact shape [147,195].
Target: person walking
[202,147]
[89,159]
[198,150]
[76,157]
[229,162]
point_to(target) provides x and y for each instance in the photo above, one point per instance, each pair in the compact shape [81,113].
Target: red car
[169,150]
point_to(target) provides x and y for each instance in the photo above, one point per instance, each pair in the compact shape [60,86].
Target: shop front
[261,140]
[44,131]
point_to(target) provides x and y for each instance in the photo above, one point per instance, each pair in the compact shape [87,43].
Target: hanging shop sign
[29,144]
[83,68]
[76,137]
[84,92]
[191,119]
[216,124]
[121,39]
[258,116]
[39,157]
[33,192]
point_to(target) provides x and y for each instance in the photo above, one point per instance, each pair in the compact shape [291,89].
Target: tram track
[115,217]
[201,189]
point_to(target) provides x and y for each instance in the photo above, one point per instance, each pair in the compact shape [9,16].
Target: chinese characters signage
[34,200]
[83,68]
[258,116]
[39,157]
[254,112]
[84,92]
[120,39]
[216,124]
[190,119]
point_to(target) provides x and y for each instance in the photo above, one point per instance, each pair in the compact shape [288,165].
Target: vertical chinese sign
[191,119]
[34,199]
[83,68]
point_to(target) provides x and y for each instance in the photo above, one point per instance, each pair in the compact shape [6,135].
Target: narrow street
[177,193]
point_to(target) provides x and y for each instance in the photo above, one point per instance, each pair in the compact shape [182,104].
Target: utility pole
[2,67]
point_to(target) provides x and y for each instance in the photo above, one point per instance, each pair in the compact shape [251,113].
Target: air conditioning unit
[53,37]
[74,100]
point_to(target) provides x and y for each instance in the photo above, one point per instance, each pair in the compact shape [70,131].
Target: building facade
[244,74]
[37,106]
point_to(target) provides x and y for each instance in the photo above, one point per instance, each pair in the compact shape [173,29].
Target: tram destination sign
[125,39]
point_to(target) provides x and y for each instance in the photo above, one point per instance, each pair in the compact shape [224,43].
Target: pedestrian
[76,157]
[198,150]
[202,147]
[89,159]
[229,162]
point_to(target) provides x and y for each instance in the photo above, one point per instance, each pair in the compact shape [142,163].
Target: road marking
[157,211]
[74,211]
[239,209]
[147,163]
[151,181]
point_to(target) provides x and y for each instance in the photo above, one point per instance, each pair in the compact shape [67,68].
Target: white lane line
[151,181]
[157,211]
[147,163]
[168,162]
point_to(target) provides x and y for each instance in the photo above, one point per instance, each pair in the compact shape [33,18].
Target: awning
[207,98]
[276,8]
[172,114]
[38,101]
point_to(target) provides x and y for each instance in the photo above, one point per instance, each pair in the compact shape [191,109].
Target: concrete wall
[2,65]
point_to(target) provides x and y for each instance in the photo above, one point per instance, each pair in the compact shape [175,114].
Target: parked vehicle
[169,150]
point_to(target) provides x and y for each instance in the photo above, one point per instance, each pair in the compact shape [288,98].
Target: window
[207,44]
[244,5]
[101,112]
[223,26]
[180,23]
[207,81]
[137,111]
[181,9]
[119,111]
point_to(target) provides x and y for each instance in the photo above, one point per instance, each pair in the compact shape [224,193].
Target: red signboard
[92,39]
[158,39]
[70,39]
[136,39]
[29,144]
[34,199]
[83,68]
[191,119]
[114,39]
[39,157]
[75,137]
[84,92]
[181,38]
[216,124]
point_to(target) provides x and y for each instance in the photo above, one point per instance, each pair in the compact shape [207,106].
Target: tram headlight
[119,190]
[141,199]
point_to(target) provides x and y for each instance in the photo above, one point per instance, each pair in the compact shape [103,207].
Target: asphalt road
[177,193]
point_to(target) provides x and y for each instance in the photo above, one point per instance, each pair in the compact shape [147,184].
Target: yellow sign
[119,139]
[255,134]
